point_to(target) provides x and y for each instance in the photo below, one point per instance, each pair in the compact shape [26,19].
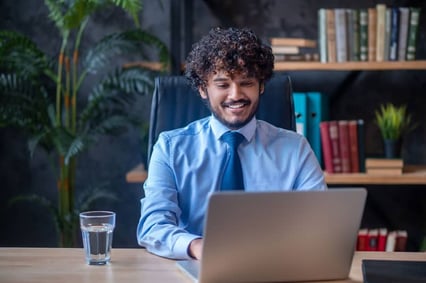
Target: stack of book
[380,33]
[384,166]
[380,239]
[294,49]
[343,144]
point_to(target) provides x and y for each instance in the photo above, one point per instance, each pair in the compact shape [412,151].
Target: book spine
[401,241]
[353,145]
[361,144]
[373,237]
[333,130]
[394,35]
[331,36]
[344,146]
[372,37]
[412,33]
[363,34]
[380,32]
[326,147]
[381,242]
[362,240]
[404,14]
[388,16]
[322,34]
[354,23]
[341,35]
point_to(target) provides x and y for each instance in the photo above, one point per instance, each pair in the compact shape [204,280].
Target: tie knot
[233,139]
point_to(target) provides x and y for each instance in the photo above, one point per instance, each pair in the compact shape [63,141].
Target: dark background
[352,94]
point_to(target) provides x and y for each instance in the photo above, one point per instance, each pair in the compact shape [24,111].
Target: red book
[381,243]
[362,241]
[401,241]
[333,130]
[353,145]
[344,145]
[326,147]
[373,237]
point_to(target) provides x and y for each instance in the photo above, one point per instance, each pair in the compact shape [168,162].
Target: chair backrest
[175,104]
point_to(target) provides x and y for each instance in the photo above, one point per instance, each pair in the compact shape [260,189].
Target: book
[278,49]
[287,41]
[331,36]
[380,32]
[341,35]
[404,14]
[361,144]
[362,240]
[390,241]
[326,147]
[345,156]
[384,171]
[384,163]
[394,34]
[363,34]
[401,241]
[373,239]
[296,57]
[388,16]
[387,271]
[333,130]
[317,112]
[412,33]
[322,34]
[353,34]
[381,242]
[301,109]
[372,37]
[353,145]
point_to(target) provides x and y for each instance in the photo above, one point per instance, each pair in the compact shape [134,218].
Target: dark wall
[352,95]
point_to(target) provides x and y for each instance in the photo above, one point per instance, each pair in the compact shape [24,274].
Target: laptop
[278,236]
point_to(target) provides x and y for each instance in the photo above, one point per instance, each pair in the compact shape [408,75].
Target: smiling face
[234,99]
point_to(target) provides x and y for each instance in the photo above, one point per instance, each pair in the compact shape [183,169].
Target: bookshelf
[413,175]
[351,66]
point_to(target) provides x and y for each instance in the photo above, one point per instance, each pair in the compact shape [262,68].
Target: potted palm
[394,122]
[42,95]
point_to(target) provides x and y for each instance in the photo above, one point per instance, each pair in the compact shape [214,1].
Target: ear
[261,88]
[202,92]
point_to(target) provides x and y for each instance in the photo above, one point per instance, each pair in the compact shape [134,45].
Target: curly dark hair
[231,50]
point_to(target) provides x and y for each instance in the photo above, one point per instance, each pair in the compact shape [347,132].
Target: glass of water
[96,230]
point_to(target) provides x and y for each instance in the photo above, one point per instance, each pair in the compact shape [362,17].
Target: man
[229,68]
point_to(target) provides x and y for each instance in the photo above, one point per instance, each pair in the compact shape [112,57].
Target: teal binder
[317,112]
[300,110]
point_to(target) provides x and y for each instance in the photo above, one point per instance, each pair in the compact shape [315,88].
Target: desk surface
[127,265]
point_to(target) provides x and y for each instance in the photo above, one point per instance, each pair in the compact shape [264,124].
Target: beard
[237,123]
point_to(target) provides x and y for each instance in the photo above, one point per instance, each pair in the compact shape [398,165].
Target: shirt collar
[219,129]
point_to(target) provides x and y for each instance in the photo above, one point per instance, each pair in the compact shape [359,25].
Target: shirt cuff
[182,245]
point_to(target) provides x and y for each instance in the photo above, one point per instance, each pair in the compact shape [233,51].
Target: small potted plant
[394,122]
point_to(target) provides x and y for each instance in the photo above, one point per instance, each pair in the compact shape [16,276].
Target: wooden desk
[48,265]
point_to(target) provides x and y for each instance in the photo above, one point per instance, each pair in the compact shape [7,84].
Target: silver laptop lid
[281,236]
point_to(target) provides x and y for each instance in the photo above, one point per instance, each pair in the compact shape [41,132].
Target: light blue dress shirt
[187,165]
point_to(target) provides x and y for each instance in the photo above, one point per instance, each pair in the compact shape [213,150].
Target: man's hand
[196,248]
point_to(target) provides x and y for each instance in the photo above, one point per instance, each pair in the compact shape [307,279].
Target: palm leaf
[133,7]
[89,196]
[113,94]
[20,55]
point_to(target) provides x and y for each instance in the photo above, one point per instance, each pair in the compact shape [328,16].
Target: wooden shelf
[350,66]
[413,175]
[137,174]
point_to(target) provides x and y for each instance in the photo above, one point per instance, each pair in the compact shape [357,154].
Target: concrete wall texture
[352,95]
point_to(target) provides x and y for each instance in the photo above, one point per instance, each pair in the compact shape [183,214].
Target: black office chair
[175,104]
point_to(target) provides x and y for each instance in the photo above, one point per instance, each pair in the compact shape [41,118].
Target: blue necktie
[233,176]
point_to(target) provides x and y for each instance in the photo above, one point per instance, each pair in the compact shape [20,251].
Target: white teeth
[234,106]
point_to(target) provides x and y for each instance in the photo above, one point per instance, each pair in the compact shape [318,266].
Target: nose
[235,92]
